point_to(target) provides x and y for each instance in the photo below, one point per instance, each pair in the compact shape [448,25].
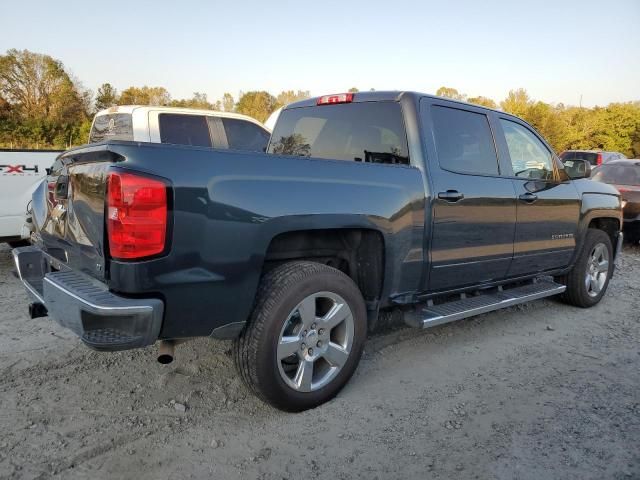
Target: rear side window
[115,126]
[464,142]
[361,132]
[243,135]
[184,129]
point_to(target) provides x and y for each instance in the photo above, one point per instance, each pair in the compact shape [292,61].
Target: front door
[474,208]
[548,203]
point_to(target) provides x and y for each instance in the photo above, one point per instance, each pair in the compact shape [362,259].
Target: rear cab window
[184,129]
[590,157]
[112,126]
[370,132]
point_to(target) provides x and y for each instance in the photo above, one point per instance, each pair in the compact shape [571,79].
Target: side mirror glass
[577,168]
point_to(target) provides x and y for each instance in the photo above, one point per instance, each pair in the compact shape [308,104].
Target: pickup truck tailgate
[69,211]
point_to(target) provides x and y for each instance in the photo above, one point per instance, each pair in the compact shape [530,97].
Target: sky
[558,50]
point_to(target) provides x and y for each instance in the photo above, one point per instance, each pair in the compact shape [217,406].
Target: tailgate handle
[62,187]
[450,196]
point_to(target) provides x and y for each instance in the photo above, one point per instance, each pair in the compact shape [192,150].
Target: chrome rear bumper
[102,319]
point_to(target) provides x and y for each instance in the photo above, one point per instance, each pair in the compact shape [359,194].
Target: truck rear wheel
[587,282]
[305,336]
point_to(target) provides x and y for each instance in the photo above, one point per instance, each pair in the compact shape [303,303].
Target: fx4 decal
[20,169]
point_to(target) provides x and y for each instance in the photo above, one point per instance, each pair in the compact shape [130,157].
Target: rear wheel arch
[357,252]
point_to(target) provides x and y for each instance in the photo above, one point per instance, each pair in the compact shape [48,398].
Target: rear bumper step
[102,319]
[432,315]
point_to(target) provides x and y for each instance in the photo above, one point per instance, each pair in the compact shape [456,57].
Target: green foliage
[228,103]
[106,96]
[484,101]
[450,93]
[289,96]
[257,104]
[517,102]
[42,106]
[353,90]
[199,100]
[155,96]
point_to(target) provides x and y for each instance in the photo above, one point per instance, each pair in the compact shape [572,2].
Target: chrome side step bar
[432,315]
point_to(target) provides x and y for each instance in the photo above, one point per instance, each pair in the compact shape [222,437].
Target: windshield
[361,132]
[617,174]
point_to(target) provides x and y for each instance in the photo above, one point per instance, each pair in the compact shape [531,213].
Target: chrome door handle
[528,197]
[451,196]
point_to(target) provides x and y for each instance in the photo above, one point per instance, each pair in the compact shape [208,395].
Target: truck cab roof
[143,109]
[386,96]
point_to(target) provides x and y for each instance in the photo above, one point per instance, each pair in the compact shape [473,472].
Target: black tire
[577,293]
[255,351]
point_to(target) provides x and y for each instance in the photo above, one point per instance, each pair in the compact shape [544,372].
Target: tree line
[43,106]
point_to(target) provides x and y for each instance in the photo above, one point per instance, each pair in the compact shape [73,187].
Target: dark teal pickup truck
[361,204]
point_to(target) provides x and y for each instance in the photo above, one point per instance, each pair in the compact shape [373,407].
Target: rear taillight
[338,98]
[136,215]
[599,159]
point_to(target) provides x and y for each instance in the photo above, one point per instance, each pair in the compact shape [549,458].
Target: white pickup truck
[20,173]
[182,126]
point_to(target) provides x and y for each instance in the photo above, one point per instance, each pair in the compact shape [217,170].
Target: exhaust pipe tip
[165,359]
[165,352]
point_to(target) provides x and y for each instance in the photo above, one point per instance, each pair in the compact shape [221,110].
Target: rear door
[474,211]
[548,204]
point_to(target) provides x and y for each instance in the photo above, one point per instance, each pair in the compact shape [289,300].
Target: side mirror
[577,169]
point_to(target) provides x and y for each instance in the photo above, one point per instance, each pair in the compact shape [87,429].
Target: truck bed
[225,209]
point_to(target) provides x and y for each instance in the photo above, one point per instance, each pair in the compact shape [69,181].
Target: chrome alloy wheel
[597,270]
[315,341]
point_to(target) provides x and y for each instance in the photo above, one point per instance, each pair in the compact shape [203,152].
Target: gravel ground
[538,391]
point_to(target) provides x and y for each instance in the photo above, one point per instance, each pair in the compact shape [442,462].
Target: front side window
[182,129]
[243,135]
[464,142]
[529,157]
[361,132]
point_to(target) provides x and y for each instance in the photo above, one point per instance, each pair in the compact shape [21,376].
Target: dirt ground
[538,391]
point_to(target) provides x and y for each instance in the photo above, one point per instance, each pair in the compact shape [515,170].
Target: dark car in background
[625,176]
[594,157]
